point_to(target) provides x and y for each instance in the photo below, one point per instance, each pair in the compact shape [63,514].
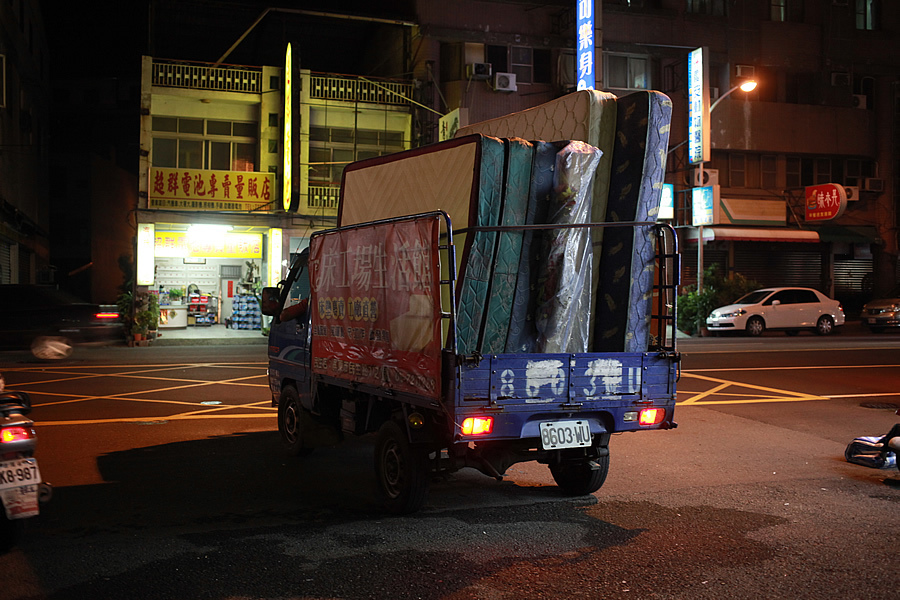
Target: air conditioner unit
[478,70]
[873,184]
[840,79]
[710,177]
[852,193]
[745,71]
[504,82]
[860,100]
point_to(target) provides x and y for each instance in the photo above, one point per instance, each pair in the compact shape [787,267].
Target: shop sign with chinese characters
[376,306]
[196,189]
[585,44]
[228,245]
[825,202]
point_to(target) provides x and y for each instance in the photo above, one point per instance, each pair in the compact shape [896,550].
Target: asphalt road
[170,484]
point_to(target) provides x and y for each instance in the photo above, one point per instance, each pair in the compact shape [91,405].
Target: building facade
[238,166]
[24,152]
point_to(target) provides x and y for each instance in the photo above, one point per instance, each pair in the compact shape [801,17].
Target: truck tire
[401,470]
[578,478]
[290,422]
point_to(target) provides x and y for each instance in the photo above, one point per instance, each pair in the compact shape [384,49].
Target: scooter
[21,488]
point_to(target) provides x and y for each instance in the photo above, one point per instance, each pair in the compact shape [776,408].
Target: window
[707,7]
[331,149]
[867,14]
[212,144]
[786,10]
[627,72]
[530,65]
[737,170]
[792,172]
[768,172]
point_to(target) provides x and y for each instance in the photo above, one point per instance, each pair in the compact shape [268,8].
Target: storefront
[207,274]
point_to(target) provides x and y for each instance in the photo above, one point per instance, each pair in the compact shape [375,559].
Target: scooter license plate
[18,472]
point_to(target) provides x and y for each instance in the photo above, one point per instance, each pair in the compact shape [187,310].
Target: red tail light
[477,425]
[106,315]
[9,435]
[651,416]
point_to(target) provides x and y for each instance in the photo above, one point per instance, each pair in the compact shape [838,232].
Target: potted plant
[142,322]
[175,295]
[153,309]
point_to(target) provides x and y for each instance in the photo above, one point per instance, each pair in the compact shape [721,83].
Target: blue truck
[365,340]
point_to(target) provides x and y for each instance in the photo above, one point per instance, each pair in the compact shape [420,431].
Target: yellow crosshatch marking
[76,376]
[735,392]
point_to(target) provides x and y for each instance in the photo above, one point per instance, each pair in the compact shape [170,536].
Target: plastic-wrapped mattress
[564,273]
[625,289]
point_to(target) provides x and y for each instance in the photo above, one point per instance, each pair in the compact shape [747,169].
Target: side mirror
[271,301]
[776,302]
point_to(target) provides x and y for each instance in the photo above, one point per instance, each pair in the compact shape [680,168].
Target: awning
[753,234]
[852,235]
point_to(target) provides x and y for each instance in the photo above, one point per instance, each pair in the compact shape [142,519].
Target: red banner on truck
[376,310]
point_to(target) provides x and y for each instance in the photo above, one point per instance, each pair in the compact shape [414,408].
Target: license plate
[19,472]
[556,435]
[871,321]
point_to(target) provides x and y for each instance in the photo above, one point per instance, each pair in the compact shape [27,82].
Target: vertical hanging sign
[585,44]
[698,95]
[288,120]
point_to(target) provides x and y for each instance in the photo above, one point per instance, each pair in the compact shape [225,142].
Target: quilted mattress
[507,257]
[463,177]
[625,289]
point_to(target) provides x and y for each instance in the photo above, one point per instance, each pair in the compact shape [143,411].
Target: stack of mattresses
[526,290]
[625,289]
[588,116]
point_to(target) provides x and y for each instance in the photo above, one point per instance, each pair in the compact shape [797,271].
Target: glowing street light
[747,86]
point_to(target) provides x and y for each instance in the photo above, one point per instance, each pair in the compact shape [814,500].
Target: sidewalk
[210,335]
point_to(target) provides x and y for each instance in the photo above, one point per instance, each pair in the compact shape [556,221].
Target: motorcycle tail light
[15,434]
[477,425]
[651,416]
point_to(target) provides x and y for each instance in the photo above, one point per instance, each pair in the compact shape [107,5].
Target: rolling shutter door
[782,264]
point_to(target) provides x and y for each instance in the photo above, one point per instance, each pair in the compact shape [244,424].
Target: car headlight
[734,313]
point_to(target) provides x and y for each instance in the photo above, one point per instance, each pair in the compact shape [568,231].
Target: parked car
[882,313]
[782,308]
[50,322]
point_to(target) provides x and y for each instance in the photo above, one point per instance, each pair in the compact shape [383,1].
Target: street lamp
[745,86]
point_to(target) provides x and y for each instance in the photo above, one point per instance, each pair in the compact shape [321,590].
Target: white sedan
[782,308]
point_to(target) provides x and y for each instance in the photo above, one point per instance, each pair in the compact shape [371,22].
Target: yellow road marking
[773,395]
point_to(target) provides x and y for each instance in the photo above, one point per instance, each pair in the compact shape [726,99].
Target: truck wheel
[401,470]
[577,478]
[290,422]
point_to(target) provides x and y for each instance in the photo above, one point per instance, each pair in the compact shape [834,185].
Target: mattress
[507,257]
[463,177]
[473,282]
[586,115]
[623,303]
[565,271]
[523,336]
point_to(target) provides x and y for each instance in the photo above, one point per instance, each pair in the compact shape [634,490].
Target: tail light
[8,435]
[477,425]
[651,416]
[105,316]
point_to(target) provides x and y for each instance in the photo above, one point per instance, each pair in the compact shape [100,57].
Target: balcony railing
[323,197]
[204,76]
[353,89]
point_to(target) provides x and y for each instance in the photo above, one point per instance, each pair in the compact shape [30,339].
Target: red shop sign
[825,202]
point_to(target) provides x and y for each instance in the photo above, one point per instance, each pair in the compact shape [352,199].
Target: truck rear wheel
[401,470]
[290,422]
[578,478]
